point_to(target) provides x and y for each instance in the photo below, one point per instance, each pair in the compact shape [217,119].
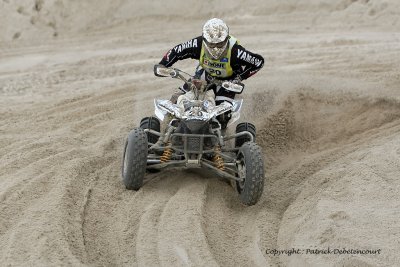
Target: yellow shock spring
[166,156]
[219,162]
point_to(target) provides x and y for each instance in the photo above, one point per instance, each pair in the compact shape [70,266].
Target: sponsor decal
[243,55]
[214,64]
[189,44]
[225,59]
[166,56]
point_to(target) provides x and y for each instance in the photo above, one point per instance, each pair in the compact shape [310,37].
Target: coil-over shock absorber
[218,160]
[167,154]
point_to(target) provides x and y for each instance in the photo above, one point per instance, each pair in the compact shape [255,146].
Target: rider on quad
[220,57]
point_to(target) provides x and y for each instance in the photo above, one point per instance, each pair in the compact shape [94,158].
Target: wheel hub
[241,166]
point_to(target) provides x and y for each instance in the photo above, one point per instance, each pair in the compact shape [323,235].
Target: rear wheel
[242,127]
[250,167]
[151,123]
[134,159]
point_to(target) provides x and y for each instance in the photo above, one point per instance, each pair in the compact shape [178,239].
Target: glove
[236,80]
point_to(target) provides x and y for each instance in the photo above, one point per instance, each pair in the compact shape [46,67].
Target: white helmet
[215,36]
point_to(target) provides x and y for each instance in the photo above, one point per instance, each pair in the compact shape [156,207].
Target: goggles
[216,45]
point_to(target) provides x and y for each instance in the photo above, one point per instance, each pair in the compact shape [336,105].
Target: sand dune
[78,77]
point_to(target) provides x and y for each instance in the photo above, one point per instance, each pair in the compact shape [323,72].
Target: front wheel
[250,167]
[134,159]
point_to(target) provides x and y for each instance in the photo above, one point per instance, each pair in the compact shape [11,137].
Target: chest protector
[219,68]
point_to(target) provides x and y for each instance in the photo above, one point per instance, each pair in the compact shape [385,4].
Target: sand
[76,76]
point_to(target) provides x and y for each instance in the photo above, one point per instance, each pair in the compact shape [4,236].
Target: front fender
[163,107]
[237,106]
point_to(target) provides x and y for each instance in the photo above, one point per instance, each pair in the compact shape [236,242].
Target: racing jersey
[236,63]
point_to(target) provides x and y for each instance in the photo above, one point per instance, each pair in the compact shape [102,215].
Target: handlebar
[162,71]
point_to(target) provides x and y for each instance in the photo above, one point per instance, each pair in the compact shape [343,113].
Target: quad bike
[194,138]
